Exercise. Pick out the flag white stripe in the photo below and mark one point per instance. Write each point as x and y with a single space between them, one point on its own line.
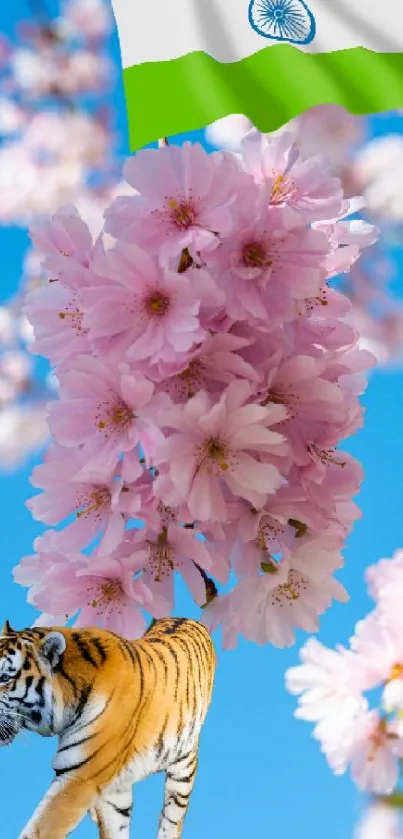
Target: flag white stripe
160 30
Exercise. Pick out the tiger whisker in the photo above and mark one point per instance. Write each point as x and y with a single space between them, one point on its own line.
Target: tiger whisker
14 715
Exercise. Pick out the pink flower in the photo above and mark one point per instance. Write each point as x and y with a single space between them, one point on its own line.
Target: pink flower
268 264
185 200
318 457
300 382
222 612
101 503
385 579
213 448
375 754
109 410
329 682
32 570
252 537
291 594
346 238
215 363
67 243
172 548
57 316
378 644
326 682
288 594
307 186
144 311
101 589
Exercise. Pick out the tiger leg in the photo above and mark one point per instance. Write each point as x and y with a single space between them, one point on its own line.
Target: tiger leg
61 810
112 813
179 782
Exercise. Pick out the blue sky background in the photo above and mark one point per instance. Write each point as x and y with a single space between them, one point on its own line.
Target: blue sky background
261 775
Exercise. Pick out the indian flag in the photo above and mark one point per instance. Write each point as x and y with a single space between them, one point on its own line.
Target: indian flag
187 63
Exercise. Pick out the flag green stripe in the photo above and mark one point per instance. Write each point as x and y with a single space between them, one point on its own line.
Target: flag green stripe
270 87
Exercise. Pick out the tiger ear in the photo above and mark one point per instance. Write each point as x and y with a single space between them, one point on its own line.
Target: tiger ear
7 629
53 648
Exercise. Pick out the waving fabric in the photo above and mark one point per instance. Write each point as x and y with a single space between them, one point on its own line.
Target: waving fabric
189 62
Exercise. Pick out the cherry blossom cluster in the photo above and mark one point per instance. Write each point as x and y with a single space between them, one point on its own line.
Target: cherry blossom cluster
206 379
371 167
354 731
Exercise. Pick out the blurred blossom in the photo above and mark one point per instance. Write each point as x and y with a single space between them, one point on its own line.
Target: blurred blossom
12 117
22 430
380 822
355 695
228 132
57 147
89 18
378 167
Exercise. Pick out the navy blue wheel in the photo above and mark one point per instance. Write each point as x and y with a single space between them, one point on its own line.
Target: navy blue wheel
282 20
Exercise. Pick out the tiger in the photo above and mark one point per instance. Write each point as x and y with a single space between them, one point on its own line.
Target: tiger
122 710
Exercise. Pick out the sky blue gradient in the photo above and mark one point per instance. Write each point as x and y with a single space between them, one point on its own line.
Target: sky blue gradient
261 775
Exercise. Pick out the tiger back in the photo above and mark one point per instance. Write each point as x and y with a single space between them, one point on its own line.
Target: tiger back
122 711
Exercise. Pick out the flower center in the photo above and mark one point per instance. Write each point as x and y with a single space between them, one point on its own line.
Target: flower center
182 213
254 255
378 739
214 455
218 451
396 672
324 456
157 304
269 530
168 515
282 395
161 557
287 593
93 503
112 418
190 380
74 317
105 594
111 590
282 190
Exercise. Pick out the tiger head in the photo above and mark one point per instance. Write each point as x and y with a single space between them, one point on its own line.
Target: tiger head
28 660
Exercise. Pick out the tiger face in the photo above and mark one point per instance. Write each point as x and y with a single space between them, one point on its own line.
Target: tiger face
28 660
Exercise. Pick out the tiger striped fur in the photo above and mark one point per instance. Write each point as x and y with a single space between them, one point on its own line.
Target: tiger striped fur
122 711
